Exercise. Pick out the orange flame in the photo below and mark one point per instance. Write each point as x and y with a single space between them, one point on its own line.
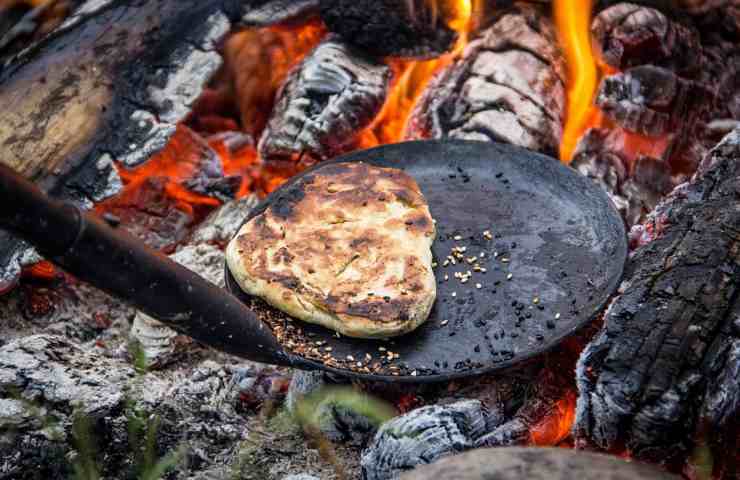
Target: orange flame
555 427
412 77
572 19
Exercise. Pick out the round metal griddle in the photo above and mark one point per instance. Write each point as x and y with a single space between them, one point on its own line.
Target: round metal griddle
565 242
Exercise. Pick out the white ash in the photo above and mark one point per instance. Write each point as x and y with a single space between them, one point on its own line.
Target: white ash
300 476
222 224
280 11
158 341
423 436
302 384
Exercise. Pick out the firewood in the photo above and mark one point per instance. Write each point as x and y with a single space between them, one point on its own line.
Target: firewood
665 365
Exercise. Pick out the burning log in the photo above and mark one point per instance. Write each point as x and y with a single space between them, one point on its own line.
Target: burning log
402 28
508 86
664 368
535 464
110 84
326 101
628 34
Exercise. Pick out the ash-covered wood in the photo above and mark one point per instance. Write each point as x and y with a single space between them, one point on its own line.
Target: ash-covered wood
271 12
325 103
651 100
535 464
400 28
508 86
110 84
423 436
629 34
665 365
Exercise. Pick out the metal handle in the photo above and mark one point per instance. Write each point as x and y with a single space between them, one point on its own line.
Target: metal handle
122 266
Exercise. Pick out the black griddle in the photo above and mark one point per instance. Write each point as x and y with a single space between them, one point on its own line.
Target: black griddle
565 243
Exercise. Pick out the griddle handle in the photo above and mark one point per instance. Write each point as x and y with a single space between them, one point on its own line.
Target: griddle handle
121 265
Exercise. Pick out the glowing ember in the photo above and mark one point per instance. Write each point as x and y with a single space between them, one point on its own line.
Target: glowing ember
43 270
556 427
572 19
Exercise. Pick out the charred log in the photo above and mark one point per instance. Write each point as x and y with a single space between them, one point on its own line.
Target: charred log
401 28
628 34
664 366
535 464
508 86
324 104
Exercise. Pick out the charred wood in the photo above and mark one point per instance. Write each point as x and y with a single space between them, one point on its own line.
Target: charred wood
634 187
400 28
628 34
271 12
535 464
508 86
325 103
423 436
664 366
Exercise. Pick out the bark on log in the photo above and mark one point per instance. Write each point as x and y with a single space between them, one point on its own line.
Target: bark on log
665 366
325 103
535 464
508 86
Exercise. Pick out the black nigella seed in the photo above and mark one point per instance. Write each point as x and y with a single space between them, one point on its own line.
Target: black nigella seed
540 337
477 349
550 324
528 315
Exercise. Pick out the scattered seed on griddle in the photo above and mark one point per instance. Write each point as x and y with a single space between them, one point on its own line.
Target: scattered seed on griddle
350 358
550 324
478 286
381 349
434 264
457 238
454 294
444 322
328 349
557 316
504 260
510 276
536 300
447 277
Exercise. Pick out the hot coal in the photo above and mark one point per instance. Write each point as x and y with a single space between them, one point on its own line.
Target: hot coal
629 34
664 366
271 12
423 436
535 464
508 87
400 28
636 186
324 104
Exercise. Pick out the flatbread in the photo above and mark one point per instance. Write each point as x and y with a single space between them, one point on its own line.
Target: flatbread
347 246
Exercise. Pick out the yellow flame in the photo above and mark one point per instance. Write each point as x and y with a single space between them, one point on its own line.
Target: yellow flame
572 19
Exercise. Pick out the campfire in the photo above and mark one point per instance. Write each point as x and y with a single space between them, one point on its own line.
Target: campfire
187 115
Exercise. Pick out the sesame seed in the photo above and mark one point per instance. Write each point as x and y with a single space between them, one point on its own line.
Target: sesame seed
454 294
478 286
447 277
434 264
509 276
483 270
504 260
482 255
457 237
381 349
443 322
536 300
557 316
350 358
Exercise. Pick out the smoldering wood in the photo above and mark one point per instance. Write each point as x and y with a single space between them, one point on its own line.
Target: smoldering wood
634 188
508 86
422 436
271 12
110 84
325 103
629 34
535 464
399 28
664 367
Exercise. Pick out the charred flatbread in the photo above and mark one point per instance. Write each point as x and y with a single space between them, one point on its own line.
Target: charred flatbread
348 246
